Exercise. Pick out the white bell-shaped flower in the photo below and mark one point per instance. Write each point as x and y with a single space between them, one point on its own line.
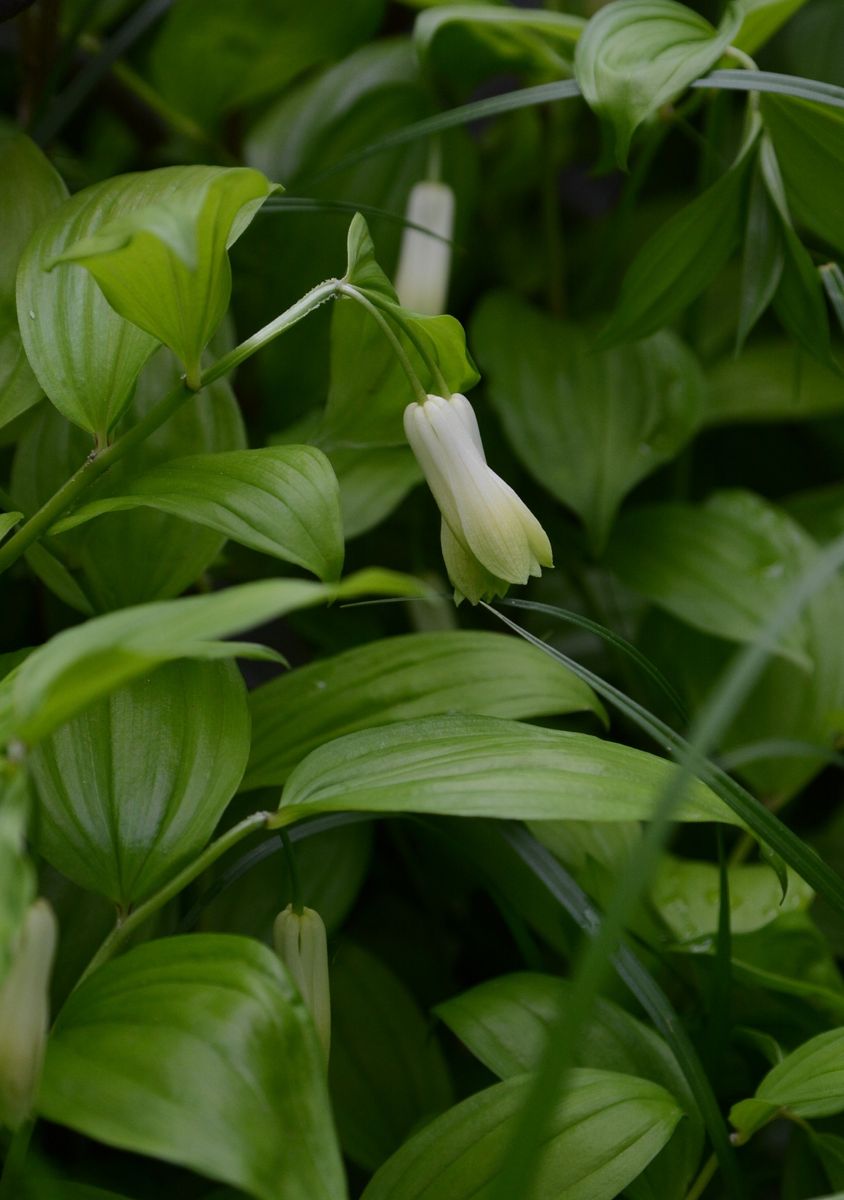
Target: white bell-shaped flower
425 261
301 944
25 1015
490 538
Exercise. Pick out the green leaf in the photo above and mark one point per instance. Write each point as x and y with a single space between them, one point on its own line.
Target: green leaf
200 1052
8 521
163 265
762 262
79 665
722 566
637 55
470 41
587 424
473 766
252 58
809 1082
807 139
387 1073
29 191
506 1022
599 1138
373 482
282 500
760 20
127 557
681 258
397 679
17 876
686 896
133 788
771 381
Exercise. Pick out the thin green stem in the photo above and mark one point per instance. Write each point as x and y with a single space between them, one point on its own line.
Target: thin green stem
348 289
702 1182
293 873
12 1176
100 459
125 928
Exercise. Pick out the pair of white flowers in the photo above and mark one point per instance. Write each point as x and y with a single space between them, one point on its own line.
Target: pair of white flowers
490 538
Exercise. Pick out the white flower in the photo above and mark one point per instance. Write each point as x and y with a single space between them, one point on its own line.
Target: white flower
25 1015
490 538
425 261
300 943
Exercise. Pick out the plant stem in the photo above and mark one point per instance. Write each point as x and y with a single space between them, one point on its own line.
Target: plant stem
99 460
124 929
12 1175
702 1182
347 289
293 873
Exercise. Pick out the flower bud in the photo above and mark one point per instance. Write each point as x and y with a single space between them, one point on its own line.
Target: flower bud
490 538
425 261
25 1015
300 943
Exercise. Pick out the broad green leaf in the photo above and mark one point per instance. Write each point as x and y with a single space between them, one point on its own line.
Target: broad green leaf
760 20
79 665
373 482
588 424
163 264
771 381
465 42
387 1072
127 557
808 1082
506 1022
722 566
681 258
29 191
599 1138
132 789
398 679
686 895
471 766
820 511
17 876
807 139
198 1050
252 58
637 55
282 500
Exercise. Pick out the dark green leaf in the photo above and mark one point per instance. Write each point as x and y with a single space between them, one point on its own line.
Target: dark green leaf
771 381
133 788
600 1137
762 262
198 1051
400 678
468 41
387 1073
485 767
760 20
587 424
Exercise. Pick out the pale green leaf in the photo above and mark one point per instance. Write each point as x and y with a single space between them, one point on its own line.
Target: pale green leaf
17 875
588 424
637 55
471 766
808 1082
79 665
282 500
163 265
760 20
400 678
198 1050
132 789
599 1138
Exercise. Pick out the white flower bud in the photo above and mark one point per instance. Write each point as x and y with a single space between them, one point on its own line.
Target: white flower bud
425 261
301 944
25 1015
490 538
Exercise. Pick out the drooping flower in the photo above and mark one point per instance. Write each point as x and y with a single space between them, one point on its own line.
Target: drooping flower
25 1015
300 942
425 261
489 537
